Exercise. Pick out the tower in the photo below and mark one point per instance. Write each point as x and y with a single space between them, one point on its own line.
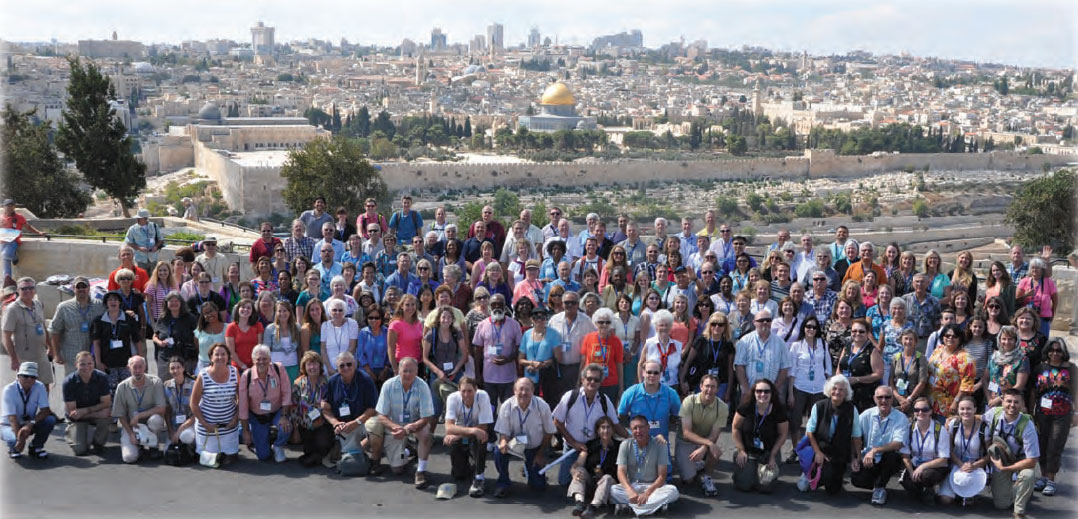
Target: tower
757 101
420 69
262 39
496 37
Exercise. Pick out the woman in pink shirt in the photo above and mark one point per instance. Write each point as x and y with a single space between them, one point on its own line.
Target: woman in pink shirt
405 337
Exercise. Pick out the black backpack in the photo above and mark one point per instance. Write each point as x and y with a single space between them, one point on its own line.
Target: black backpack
575 394
179 454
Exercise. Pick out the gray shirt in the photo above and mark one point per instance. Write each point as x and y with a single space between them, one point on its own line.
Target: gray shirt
72 322
630 456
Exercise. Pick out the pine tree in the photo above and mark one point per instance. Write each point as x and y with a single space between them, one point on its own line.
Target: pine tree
468 126
33 173
96 139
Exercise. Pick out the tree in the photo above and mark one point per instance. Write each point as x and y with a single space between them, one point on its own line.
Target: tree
333 168
736 145
383 124
755 201
468 126
506 205
920 208
92 135
1043 213
33 173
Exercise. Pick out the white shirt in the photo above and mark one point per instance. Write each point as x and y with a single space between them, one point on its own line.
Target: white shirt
651 352
807 360
571 335
922 447
580 420
479 414
336 340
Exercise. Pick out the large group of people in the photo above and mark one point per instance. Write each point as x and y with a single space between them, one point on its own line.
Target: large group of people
622 358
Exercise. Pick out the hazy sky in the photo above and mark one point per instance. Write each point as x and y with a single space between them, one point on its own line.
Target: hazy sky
1023 32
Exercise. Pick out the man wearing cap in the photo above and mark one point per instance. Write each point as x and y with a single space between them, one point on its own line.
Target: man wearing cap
572 326
499 337
70 325
524 426
145 237
684 287
9 219
328 238
642 468
215 263
25 336
576 414
761 354
530 287
884 432
26 412
140 399
87 402
1013 453
127 261
468 420
405 410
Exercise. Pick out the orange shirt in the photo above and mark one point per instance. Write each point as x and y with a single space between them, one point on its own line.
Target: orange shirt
856 272
609 353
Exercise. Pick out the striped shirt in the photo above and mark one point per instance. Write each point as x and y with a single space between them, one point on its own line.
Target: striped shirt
218 404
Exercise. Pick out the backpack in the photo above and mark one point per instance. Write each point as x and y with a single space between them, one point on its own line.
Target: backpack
936 426
354 463
1019 428
982 432
575 394
276 369
179 454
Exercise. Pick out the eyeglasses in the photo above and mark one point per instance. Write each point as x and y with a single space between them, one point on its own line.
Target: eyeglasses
374 318
950 336
858 332
819 279
423 269
602 323
652 372
346 364
763 391
882 397
922 409
335 310
571 303
707 271
555 213
371 205
593 380
123 279
724 231
811 327
1054 350
717 325
26 289
482 298
997 307
764 320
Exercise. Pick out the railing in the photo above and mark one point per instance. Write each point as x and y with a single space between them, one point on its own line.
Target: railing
231 248
227 224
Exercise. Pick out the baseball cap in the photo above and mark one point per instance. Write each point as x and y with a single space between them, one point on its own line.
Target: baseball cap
446 491
80 279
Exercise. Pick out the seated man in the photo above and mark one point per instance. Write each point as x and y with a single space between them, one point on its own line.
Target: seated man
468 419
884 434
26 412
348 404
703 416
88 402
405 412
140 399
642 468
524 425
1013 478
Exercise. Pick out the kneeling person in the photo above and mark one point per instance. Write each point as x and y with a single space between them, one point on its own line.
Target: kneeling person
140 407
25 413
468 419
524 425
1013 477
405 410
348 404
88 403
265 399
703 416
925 454
885 431
642 468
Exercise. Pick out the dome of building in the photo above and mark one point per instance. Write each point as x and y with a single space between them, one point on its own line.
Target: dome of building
558 94
142 67
209 111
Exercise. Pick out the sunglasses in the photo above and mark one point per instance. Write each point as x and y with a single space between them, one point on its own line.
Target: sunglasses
763 391
883 397
482 298
718 325
602 323
652 372
767 320
1054 350
811 327
593 380
922 410
950 336
707 271
374 318
347 364
858 332
571 303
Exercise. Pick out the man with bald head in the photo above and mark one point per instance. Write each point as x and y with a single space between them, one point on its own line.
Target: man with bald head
495 231
760 354
140 399
405 412
524 426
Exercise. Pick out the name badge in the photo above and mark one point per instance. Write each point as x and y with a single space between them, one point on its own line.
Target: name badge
758 443
566 346
654 424
344 410
993 387
713 372
216 279
116 344
40 329
759 366
180 419
84 327
313 414
405 417
846 374
606 372
494 349
1046 402
522 439
812 374
448 366
265 406
902 385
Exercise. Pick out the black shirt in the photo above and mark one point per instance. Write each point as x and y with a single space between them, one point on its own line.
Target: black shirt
194 305
765 428
125 330
85 394
597 464
182 330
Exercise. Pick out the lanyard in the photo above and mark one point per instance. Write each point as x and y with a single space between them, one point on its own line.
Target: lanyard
349 398
406 396
33 315
641 457
177 395
760 422
760 347
84 313
138 398
568 329
906 365
25 399
653 404
264 387
602 349
495 329
589 408
924 439
466 415
812 354
602 456
338 334
128 300
880 426
523 417
965 441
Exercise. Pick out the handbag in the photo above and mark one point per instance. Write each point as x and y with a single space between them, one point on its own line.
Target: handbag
179 454
211 459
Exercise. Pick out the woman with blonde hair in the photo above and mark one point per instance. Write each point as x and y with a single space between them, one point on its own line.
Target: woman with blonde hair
282 336
160 284
939 285
962 277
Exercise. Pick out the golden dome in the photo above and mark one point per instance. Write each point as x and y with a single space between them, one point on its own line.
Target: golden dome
558 94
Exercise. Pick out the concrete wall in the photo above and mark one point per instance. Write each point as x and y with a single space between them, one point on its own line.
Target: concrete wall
815 164
223 171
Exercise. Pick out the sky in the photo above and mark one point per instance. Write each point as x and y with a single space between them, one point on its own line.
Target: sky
1042 33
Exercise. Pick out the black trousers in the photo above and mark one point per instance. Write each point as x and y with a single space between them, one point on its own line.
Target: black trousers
318 441
469 460
931 478
879 473
831 475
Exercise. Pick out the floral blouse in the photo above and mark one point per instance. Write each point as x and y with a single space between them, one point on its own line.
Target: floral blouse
948 375
306 398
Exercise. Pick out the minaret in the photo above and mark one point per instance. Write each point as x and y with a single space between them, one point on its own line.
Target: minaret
757 101
420 72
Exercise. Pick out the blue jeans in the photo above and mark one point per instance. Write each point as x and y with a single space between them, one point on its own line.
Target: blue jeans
564 468
8 254
260 435
41 431
535 480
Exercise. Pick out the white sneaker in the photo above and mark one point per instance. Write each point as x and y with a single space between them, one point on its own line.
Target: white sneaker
803 483
879 496
278 454
709 486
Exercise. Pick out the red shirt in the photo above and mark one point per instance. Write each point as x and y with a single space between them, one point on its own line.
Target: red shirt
409 339
15 221
608 353
141 278
245 342
262 249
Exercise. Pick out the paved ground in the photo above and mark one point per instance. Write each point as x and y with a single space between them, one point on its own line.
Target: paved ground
103 486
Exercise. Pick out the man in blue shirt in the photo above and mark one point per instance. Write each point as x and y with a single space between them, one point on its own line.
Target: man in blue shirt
25 413
146 239
884 433
313 219
406 223
348 404
328 267
327 239
402 278
652 400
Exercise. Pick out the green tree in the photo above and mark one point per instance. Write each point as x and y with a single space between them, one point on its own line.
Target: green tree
920 208
506 205
1042 211
755 201
333 168
92 135
812 209
33 173
736 145
727 206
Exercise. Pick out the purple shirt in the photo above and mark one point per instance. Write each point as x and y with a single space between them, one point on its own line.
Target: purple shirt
498 339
